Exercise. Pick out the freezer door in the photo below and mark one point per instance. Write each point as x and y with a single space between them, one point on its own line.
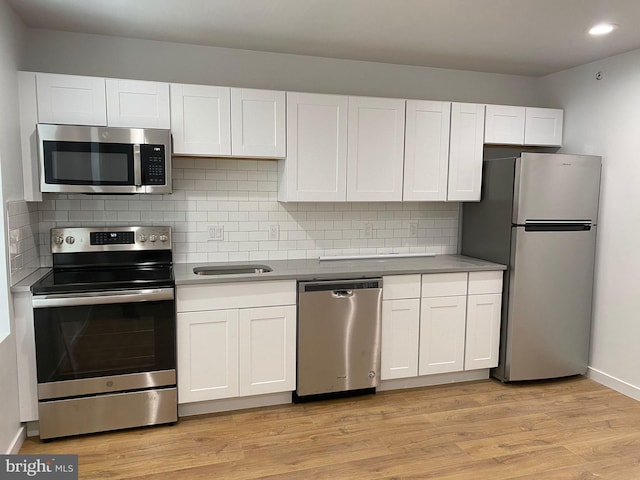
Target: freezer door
556 187
549 304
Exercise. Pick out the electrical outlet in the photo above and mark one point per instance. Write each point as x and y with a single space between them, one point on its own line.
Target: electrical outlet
413 229
368 230
274 232
216 232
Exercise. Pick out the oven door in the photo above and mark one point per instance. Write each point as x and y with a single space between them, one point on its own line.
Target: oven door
101 342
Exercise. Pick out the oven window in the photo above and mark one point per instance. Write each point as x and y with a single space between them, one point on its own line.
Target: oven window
100 340
86 163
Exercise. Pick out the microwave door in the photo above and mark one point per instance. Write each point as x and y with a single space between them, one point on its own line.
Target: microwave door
89 167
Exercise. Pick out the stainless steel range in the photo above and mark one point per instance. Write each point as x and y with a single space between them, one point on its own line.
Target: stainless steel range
105 331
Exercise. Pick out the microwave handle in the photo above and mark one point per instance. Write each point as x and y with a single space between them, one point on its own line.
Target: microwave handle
137 166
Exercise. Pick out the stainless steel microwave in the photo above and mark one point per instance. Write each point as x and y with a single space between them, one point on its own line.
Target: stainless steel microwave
83 159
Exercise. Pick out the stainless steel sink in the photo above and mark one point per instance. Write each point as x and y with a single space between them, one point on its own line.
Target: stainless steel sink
232 270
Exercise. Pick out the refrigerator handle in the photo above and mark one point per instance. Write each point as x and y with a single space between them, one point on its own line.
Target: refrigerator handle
557 225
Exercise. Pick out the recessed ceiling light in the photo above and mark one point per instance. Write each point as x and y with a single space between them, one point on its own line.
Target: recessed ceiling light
603 28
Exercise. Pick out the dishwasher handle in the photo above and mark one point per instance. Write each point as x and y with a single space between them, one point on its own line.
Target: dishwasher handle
340 288
342 293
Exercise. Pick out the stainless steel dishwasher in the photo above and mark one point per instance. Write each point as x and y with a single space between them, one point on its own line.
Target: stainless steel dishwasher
338 337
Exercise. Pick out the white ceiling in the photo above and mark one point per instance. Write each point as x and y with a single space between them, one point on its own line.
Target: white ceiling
525 37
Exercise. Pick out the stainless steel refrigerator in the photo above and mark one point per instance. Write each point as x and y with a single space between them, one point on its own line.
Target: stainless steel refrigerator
538 215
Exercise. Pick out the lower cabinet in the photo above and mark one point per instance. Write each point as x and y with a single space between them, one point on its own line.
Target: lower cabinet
238 351
440 323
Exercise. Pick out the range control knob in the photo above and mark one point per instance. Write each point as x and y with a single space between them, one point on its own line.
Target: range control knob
59 240
142 238
153 237
164 238
70 240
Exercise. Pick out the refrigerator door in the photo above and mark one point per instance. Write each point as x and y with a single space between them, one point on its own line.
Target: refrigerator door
549 304
556 187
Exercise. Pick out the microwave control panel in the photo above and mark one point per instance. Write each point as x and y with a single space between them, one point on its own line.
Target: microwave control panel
153 164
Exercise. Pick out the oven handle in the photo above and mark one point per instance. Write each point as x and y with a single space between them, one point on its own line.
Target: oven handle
102 298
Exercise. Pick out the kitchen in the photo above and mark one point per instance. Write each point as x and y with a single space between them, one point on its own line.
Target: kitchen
598 120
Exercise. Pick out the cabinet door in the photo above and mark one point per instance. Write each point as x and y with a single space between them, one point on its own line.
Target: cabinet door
71 99
257 123
316 166
399 338
543 126
504 124
426 153
375 149
207 344
442 326
465 154
267 350
137 104
201 120
483 331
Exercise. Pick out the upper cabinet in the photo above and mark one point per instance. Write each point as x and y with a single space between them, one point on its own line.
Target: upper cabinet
316 166
77 100
223 121
543 126
258 126
426 151
200 119
511 125
333 148
71 99
465 154
137 104
375 149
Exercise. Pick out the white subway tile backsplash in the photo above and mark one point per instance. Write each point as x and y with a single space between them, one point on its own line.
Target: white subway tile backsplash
241 196
23 223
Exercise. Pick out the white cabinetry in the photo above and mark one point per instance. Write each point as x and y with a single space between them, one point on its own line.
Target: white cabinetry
235 339
71 99
504 124
465 154
137 104
484 305
442 323
258 126
511 125
207 355
267 349
375 149
27 99
426 152
26 356
316 165
200 119
543 126
222 121
400 326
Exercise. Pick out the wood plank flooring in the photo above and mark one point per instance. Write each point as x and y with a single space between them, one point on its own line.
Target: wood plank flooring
569 429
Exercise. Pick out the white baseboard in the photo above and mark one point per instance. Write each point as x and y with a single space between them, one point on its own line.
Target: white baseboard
17 442
614 383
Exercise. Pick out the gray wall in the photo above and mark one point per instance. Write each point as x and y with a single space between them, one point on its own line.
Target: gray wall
82 54
11 42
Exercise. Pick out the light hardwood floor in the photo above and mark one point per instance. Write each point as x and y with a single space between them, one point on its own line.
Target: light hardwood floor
570 429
